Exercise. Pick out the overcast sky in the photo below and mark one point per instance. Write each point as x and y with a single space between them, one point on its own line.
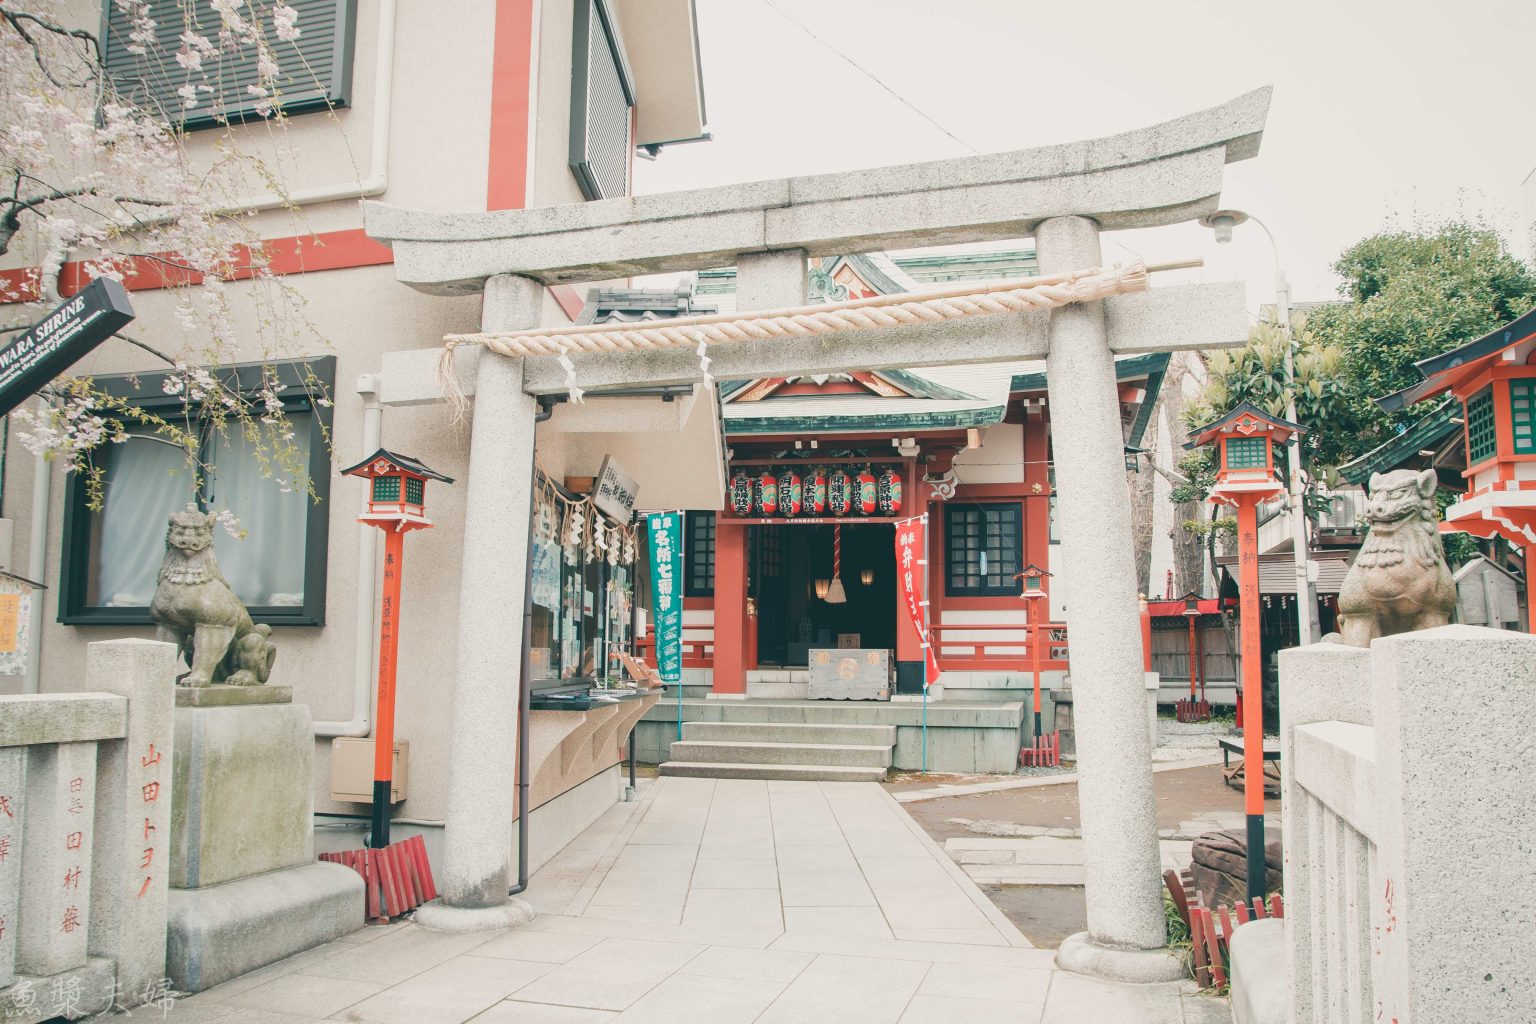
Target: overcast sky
1384 113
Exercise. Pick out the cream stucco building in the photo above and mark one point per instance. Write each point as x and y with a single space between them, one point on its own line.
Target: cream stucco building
438 107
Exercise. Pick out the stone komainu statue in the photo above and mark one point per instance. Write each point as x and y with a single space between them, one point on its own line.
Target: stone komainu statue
1399 582
195 609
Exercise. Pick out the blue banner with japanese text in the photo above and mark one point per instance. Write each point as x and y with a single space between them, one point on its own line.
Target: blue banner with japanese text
665 533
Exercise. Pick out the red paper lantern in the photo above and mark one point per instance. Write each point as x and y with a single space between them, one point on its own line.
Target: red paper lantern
839 493
791 493
741 494
766 490
866 502
890 493
816 492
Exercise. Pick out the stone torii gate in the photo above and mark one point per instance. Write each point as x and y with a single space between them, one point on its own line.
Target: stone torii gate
1062 196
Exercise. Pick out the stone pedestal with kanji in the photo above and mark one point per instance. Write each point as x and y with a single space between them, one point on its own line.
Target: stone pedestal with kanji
246 889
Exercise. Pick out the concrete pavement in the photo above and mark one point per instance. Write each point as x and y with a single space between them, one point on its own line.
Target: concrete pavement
718 901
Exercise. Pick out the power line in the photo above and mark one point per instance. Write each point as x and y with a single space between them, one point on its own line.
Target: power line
867 74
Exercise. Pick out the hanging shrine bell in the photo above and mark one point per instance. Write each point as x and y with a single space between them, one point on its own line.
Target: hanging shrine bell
1245 477
397 492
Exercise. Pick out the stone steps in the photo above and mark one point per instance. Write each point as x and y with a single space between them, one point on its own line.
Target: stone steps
770 741
790 772
943 713
791 732
839 755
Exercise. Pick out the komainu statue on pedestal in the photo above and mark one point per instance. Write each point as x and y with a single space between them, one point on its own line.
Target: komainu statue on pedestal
1399 582
195 609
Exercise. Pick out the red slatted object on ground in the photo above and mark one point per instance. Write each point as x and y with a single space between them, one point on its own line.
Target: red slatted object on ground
396 878
1192 710
1044 752
1211 931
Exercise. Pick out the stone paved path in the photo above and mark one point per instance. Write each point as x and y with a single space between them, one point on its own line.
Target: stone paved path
717 902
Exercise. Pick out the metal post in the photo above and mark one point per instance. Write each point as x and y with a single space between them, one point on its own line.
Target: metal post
1253 691
384 730
1306 613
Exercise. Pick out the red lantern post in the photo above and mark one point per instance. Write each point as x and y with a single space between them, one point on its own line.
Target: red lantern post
1034 589
1245 478
396 505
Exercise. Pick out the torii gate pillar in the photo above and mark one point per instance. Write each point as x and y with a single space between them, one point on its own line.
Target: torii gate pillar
1126 929
492 592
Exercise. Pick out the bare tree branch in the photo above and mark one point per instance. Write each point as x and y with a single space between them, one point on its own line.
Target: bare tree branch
147 348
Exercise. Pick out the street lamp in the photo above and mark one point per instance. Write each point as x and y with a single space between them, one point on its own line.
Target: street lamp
1221 224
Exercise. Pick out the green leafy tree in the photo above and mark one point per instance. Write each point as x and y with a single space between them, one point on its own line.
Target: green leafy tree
1409 295
1256 374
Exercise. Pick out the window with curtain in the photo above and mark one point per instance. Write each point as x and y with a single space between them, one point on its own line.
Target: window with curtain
112 555
982 545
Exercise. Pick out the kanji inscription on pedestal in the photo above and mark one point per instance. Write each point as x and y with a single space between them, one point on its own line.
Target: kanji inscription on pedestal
55 905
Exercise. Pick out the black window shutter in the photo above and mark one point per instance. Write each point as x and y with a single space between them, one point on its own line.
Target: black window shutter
316 68
602 94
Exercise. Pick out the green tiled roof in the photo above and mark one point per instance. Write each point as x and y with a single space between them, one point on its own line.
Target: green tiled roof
1152 366
954 419
1426 433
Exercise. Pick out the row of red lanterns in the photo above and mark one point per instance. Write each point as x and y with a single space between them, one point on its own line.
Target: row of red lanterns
838 493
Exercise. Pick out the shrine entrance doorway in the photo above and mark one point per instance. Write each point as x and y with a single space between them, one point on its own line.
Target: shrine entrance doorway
791 576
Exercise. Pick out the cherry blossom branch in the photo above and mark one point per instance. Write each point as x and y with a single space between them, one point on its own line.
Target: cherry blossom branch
10 220
15 18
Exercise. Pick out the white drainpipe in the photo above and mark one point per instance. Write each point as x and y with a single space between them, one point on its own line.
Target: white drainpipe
361 722
378 170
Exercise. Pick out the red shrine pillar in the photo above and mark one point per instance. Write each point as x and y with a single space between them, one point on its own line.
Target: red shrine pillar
732 639
1530 593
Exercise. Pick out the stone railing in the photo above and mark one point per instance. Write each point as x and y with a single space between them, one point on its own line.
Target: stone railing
85 824
1409 810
